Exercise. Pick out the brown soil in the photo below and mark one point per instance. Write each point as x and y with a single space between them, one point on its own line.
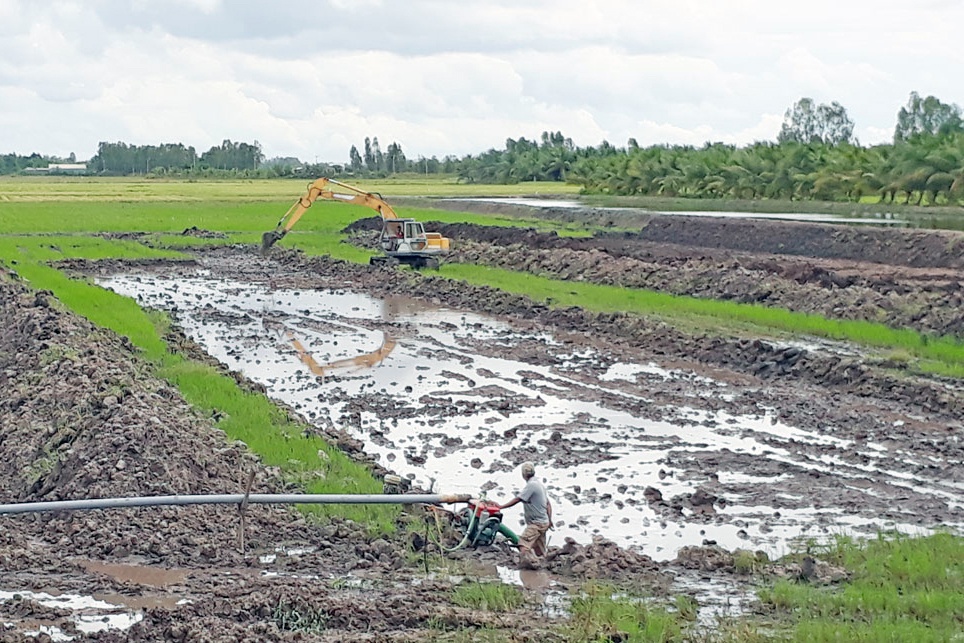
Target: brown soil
83 417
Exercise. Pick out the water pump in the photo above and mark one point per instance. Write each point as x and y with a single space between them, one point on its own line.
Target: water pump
480 522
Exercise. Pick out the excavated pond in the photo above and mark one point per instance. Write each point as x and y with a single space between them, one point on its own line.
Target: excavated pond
652 456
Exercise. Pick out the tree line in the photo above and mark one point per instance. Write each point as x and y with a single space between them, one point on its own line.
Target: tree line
815 156
123 159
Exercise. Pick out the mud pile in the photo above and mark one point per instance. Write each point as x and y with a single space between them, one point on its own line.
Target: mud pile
295 610
790 283
83 418
898 277
600 559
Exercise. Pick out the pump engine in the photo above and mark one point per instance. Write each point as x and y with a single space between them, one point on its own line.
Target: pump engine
480 522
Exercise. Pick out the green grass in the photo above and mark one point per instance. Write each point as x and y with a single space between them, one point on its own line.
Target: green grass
488 596
28 256
133 189
599 614
172 217
138 216
266 430
901 589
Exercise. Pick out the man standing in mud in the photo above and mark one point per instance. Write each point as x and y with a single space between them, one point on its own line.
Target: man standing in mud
537 511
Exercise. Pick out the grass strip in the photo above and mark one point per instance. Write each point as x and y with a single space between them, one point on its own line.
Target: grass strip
173 216
488 596
14 189
942 355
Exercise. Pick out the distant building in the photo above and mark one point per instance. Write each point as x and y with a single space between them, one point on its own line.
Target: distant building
59 168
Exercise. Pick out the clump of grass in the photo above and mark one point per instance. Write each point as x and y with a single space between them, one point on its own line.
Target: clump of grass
295 618
747 562
489 596
686 607
598 614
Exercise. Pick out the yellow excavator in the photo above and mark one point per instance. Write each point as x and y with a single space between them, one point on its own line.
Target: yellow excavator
402 240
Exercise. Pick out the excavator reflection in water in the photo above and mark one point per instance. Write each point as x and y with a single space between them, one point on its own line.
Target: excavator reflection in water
351 364
347 365
392 307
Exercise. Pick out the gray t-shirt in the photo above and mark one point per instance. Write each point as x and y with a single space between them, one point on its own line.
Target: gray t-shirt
534 497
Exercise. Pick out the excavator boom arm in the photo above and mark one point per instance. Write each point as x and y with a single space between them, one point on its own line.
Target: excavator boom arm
331 190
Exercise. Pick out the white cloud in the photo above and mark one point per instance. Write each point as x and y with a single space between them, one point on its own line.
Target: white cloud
311 79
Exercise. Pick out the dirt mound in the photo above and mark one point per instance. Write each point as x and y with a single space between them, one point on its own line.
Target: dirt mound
602 558
898 277
884 245
83 419
288 610
891 246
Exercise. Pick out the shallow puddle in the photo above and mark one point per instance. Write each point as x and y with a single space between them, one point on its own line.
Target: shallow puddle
90 614
139 574
459 397
105 610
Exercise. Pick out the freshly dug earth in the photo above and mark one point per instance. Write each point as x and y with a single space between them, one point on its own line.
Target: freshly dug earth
83 416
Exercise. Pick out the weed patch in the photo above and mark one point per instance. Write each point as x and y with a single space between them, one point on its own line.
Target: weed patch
491 597
599 614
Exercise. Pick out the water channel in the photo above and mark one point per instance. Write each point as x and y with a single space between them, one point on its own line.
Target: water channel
455 405
883 217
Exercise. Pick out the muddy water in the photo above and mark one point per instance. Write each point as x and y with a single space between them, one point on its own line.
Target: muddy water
139 574
459 402
89 613
102 611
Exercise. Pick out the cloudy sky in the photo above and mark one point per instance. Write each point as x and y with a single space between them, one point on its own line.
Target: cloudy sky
310 78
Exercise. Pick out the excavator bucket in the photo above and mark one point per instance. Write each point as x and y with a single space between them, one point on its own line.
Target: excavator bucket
270 238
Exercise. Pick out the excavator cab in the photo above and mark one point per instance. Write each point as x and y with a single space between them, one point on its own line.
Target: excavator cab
405 241
402 235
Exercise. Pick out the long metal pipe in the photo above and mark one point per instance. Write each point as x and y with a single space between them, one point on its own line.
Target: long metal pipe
233 499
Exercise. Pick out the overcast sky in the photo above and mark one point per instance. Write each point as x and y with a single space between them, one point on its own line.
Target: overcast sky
310 79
